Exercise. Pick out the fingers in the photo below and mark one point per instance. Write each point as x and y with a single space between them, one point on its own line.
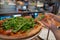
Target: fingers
51 15
53 21
46 24
53 25
50 23
41 23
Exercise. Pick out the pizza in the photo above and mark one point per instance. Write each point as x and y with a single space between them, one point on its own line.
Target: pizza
19 28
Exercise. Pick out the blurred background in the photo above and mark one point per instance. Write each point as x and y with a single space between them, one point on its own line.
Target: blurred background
30 6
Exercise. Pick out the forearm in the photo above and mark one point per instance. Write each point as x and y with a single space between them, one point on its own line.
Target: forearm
56 33
57 18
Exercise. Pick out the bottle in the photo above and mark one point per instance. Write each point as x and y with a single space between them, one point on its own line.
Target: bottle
26 3
34 15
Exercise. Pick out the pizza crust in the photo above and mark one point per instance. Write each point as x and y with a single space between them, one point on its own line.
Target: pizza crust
33 32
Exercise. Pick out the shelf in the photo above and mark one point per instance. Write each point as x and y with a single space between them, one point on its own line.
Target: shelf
1 14
11 10
8 11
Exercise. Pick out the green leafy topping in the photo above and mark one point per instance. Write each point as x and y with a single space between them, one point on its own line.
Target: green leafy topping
19 23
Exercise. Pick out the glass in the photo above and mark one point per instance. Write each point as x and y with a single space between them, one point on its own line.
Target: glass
39 4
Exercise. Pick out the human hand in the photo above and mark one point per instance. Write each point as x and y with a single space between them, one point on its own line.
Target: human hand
55 17
50 25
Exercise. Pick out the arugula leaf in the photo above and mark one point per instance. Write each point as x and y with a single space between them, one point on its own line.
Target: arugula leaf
19 23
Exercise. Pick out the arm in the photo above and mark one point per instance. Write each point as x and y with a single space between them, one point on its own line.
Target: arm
57 18
53 28
56 33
